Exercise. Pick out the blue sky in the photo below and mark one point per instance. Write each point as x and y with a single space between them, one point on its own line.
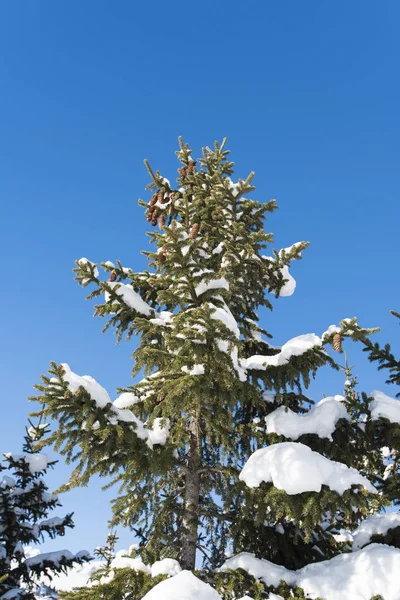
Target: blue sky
308 95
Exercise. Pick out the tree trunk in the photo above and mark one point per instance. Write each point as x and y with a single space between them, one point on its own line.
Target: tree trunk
191 499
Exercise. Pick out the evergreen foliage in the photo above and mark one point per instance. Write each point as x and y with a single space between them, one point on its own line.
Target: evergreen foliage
176 440
24 507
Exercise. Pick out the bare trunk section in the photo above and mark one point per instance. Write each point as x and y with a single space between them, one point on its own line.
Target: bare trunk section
190 519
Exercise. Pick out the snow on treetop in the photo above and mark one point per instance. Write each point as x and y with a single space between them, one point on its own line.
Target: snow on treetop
295 468
294 347
166 566
321 419
376 524
384 406
184 586
350 576
125 400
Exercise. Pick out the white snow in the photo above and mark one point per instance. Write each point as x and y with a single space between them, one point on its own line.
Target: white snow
77 576
259 568
376 524
214 284
96 391
83 261
122 561
130 297
166 566
354 576
225 316
125 400
195 370
349 576
294 347
331 329
384 406
184 586
321 419
295 468
37 462
157 434
289 287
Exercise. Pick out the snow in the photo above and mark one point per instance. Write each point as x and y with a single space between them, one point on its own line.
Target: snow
37 462
376 524
125 400
331 329
122 561
260 568
350 576
289 287
53 557
295 468
84 261
184 586
384 406
321 419
78 576
225 316
157 434
294 347
196 370
96 391
130 297
166 566
214 284
355 576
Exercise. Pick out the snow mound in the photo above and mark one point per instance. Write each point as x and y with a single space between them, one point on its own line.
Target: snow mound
353 576
289 287
376 524
260 568
123 561
384 406
294 347
356 576
321 419
166 566
295 468
184 586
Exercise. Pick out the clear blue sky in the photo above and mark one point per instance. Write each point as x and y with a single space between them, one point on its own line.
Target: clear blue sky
308 94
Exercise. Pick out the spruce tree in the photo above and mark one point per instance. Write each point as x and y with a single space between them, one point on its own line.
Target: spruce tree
25 504
177 439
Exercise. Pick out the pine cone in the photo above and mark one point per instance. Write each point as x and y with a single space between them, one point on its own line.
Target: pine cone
113 276
162 257
153 200
148 216
161 221
191 167
154 218
160 196
194 231
182 173
337 342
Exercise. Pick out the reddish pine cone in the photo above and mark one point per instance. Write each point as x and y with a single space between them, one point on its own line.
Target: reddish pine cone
191 167
153 200
194 231
182 172
161 221
162 257
337 342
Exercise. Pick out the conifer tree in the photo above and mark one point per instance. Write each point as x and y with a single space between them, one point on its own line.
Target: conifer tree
214 389
25 503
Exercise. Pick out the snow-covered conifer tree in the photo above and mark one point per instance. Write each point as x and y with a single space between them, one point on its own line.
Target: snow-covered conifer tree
216 448
25 504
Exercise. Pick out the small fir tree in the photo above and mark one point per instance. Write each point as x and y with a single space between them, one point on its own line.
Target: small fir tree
214 391
25 504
